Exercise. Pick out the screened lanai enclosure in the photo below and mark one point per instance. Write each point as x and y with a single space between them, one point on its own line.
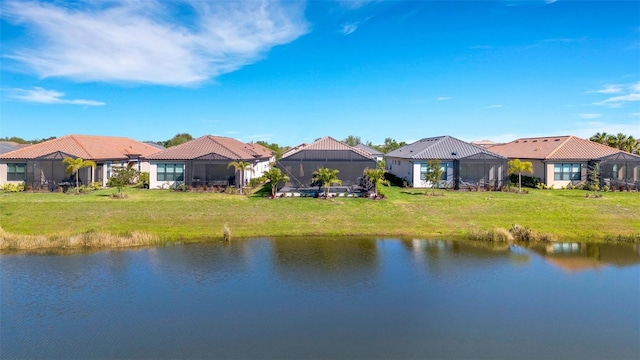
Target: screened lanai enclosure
620 171
47 173
300 167
210 170
480 171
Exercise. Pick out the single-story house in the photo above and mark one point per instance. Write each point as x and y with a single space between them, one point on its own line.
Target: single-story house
40 166
205 162
561 160
463 164
300 162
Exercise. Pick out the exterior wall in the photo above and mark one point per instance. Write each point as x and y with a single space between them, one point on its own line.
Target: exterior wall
539 170
154 183
259 169
402 168
549 180
419 183
144 166
410 171
3 176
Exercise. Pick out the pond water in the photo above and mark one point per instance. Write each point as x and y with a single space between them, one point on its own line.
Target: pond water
324 298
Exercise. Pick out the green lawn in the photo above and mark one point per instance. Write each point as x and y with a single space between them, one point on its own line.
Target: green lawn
186 216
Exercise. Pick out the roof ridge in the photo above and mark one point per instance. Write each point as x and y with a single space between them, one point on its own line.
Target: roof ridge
73 136
212 138
437 139
559 147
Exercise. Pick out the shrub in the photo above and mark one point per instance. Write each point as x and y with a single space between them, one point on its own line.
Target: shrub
13 188
528 181
494 235
522 233
143 180
395 180
255 182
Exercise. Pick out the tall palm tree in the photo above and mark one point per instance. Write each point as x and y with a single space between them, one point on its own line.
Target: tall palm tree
618 140
74 165
275 176
517 166
326 177
630 145
600 138
240 167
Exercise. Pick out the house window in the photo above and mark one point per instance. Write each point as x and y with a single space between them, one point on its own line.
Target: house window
170 172
425 167
566 172
16 172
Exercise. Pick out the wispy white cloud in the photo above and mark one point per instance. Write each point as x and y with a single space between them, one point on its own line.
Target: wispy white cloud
589 116
637 114
145 42
44 96
608 89
349 28
550 1
631 93
443 98
493 106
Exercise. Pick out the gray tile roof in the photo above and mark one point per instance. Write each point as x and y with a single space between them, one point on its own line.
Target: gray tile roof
324 145
368 149
441 148
6 146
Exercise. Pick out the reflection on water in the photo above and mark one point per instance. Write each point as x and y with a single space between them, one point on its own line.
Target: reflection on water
572 257
324 298
330 264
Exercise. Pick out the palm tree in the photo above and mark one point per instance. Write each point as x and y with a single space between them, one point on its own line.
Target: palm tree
240 167
74 165
376 176
630 145
326 177
617 141
600 138
517 166
275 176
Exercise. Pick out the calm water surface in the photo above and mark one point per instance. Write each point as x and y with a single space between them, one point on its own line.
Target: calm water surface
324 298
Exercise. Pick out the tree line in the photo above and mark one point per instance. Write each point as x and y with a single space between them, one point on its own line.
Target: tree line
619 141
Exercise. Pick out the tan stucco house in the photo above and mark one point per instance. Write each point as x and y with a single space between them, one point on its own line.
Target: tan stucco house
40 166
205 162
561 160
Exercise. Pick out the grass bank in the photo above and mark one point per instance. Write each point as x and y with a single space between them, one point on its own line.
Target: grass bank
158 216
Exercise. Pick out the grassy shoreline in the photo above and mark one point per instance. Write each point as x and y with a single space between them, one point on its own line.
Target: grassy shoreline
155 217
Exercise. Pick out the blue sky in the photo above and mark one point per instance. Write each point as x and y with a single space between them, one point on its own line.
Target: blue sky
290 72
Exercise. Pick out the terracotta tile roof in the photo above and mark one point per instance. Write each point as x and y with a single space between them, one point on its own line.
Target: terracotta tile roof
554 148
225 147
327 143
85 146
